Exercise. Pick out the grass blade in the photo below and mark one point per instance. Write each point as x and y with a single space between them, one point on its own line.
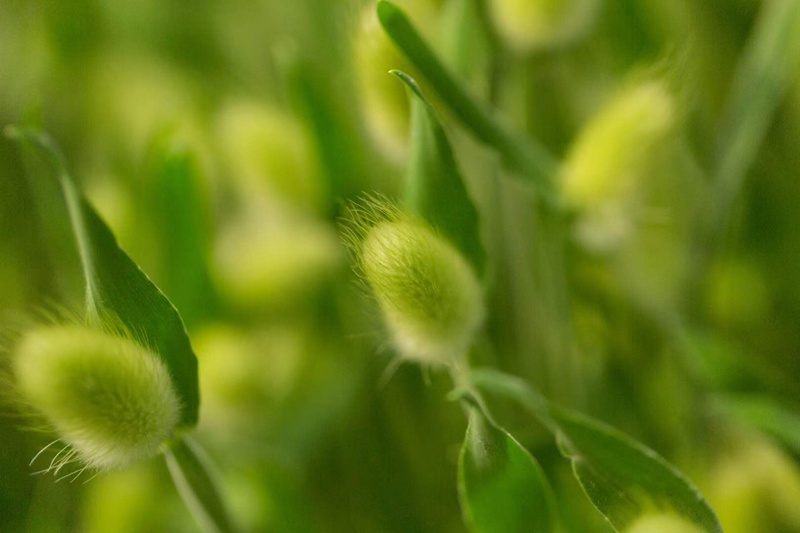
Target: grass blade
520 153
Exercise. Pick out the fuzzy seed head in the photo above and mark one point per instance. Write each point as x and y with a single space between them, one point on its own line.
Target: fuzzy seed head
429 295
615 146
529 25
107 396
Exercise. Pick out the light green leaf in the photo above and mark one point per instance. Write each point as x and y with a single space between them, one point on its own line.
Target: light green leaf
624 479
434 186
115 286
502 487
190 472
520 153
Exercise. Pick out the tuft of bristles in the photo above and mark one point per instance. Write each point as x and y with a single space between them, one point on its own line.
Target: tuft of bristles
108 397
430 298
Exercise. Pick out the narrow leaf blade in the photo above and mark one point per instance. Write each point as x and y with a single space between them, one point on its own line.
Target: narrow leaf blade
183 208
435 187
525 156
502 487
116 286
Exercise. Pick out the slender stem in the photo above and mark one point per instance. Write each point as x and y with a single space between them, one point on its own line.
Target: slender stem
192 476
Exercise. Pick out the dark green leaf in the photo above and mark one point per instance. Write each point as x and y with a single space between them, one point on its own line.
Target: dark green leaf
623 479
502 487
434 186
765 73
115 286
190 472
521 154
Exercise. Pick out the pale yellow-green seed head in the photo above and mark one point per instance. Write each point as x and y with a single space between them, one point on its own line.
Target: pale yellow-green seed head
529 25
614 148
107 396
430 297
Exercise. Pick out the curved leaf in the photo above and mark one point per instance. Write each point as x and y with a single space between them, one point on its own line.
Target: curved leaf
623 478
520 153
115 286
502 487
434 186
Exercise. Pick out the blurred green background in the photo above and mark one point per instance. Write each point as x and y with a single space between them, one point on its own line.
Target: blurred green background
220 140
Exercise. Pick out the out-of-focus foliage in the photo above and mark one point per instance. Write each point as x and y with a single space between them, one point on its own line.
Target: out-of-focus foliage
221 141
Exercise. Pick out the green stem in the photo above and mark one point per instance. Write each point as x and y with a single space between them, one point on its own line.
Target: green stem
191 474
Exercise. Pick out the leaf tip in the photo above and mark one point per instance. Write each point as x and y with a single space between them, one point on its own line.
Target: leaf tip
386 10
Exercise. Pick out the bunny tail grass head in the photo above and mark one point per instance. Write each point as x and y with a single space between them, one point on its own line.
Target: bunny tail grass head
107 397
431 300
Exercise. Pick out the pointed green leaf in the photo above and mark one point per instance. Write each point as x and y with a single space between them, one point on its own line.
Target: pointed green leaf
523 155
115 286
434 186
624 479
502 487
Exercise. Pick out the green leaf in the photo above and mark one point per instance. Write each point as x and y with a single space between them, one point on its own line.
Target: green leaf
520 153
502 487
434 186
624 479
333 130
190 472
767 415
115 286
764 75
182 207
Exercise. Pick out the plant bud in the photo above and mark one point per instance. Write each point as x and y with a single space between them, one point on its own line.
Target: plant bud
268 152
429 295
615 147
534 24
107 397
262 264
